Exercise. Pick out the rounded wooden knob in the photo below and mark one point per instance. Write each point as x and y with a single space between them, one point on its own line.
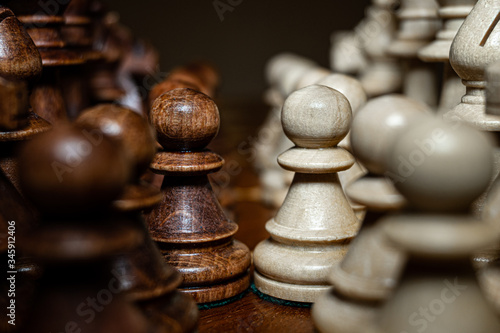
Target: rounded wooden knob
438 166
316 117
127 127
72 171
376 125
185 119
19 57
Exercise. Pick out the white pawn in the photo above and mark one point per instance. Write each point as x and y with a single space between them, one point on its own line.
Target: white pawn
311 231
438 290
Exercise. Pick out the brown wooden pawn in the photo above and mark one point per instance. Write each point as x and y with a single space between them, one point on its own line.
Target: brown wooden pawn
78 234
142 273
189 225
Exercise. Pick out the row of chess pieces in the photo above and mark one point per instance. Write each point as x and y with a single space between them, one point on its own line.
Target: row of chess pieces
386 184
90 241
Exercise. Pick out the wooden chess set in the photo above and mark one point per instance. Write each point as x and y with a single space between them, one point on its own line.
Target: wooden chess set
369 203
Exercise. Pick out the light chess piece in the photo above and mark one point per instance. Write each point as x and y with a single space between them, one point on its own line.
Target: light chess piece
438 290
311 231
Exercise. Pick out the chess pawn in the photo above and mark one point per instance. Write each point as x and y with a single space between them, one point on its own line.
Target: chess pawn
142 273
418 23
453 14
353 90
367 274
473 48
438 289
383 74
312 229
189 225
77 235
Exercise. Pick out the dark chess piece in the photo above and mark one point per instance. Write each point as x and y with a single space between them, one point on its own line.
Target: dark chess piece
189 225
143 273
44 26
19 62
78 234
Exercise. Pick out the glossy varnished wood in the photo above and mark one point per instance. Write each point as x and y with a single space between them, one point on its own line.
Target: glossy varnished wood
189 224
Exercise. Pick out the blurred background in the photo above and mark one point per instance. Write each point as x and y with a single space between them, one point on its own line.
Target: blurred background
238 39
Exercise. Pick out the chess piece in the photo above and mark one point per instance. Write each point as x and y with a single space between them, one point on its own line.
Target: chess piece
44 27
17 124
356 95
383 74
20 59
189 225
418 24
77 234
453 14
142 273
473 49
367 275
438 290
312 229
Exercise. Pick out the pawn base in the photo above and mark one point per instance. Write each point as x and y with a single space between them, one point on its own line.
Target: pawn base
218 292
289 291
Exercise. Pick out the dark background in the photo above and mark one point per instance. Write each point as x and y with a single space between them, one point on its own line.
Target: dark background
240 44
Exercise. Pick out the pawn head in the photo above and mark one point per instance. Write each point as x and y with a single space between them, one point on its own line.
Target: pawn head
439 166
316 117
185 119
